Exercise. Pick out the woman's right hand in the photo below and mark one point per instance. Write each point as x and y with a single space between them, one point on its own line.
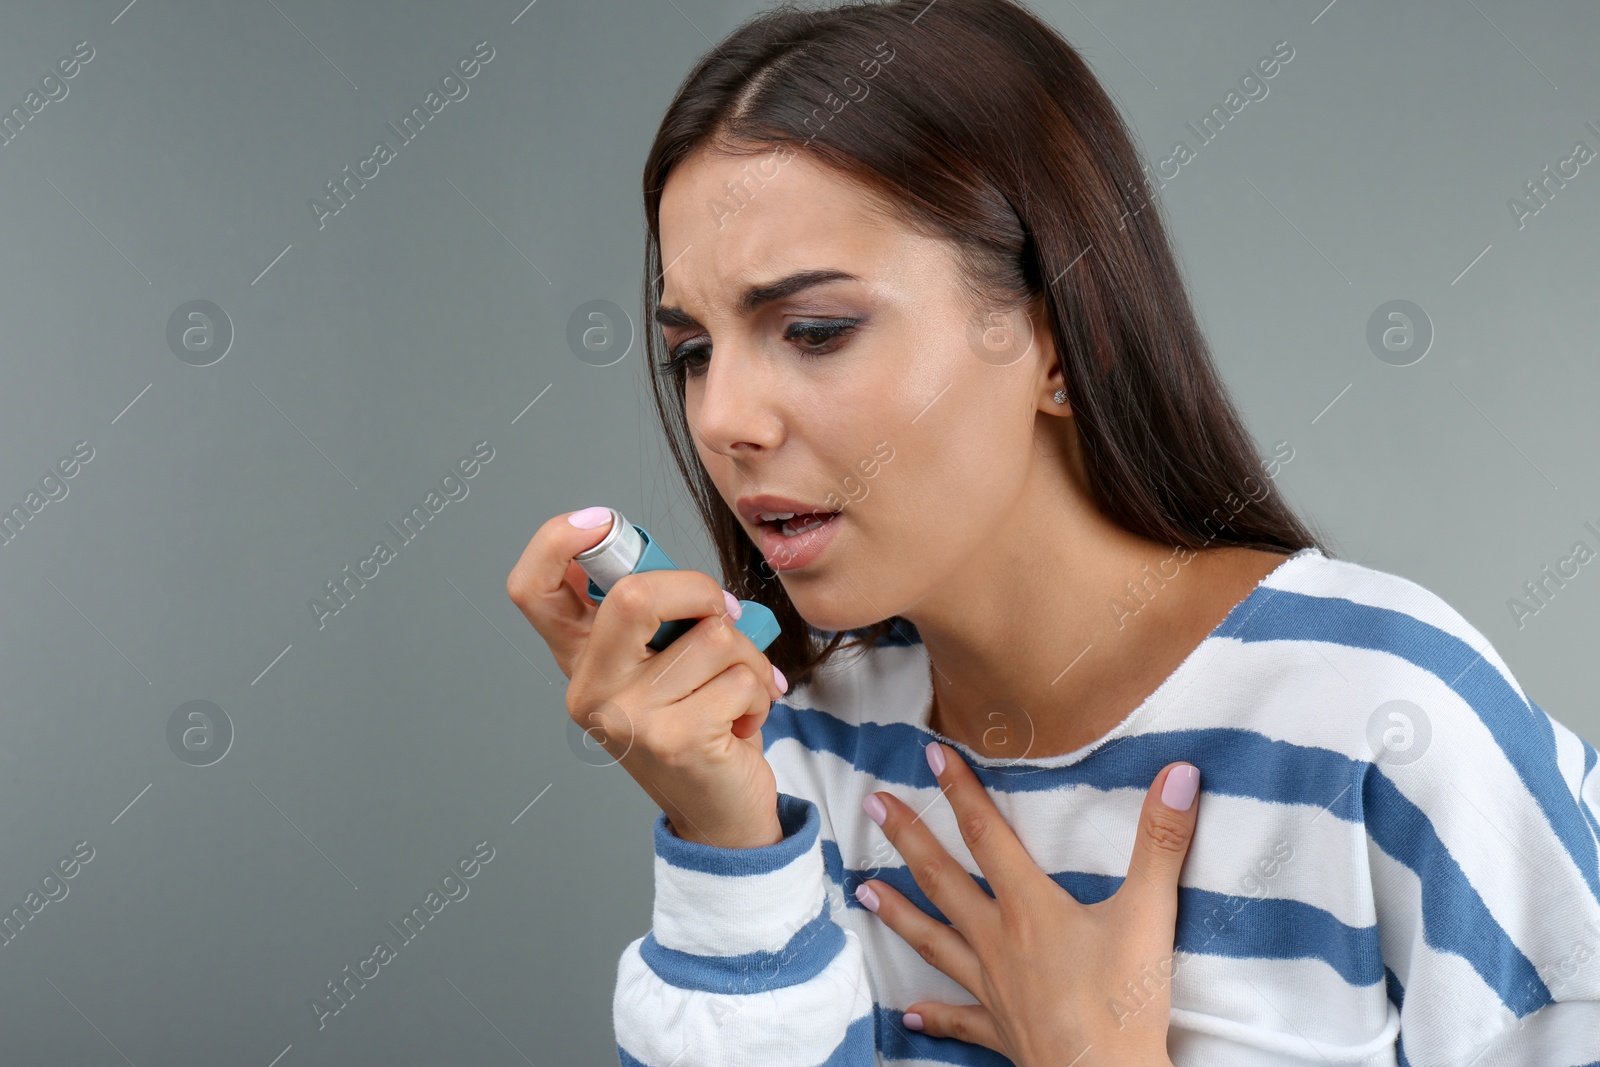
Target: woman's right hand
685 722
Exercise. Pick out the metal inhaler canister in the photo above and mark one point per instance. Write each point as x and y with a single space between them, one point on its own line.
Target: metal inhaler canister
627 549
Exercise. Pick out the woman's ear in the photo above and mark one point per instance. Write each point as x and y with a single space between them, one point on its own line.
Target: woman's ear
1052 381
1056 400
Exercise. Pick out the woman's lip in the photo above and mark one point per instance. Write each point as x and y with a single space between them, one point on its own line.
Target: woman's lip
791 553
753 507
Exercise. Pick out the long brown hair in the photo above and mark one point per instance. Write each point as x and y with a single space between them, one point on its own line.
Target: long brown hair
979 124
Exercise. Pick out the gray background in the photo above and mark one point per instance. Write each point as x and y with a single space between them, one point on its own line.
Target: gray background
370 755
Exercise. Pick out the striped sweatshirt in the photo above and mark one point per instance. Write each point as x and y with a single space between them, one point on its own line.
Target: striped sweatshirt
1395 861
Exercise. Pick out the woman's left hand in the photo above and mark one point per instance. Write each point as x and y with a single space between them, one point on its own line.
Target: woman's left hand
1046 970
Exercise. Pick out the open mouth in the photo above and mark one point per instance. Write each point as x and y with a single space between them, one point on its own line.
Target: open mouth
792 540
793 525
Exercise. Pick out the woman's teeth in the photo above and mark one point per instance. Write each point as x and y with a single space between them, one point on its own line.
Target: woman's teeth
791 530
786 523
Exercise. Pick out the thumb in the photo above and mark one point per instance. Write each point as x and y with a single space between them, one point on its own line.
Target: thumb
1166 827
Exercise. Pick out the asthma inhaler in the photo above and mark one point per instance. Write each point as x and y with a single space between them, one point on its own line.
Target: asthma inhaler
627 549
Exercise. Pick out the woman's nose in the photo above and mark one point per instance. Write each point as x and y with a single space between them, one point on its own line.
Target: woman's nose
739 409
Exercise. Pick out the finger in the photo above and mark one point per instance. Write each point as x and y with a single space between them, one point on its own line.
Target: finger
734 699
995 847
748 725
546 564
634 610
543 586
971 1023
578 581
943 880
1166 827
937 943
705 650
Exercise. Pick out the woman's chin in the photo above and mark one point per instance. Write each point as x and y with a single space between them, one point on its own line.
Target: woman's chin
825 611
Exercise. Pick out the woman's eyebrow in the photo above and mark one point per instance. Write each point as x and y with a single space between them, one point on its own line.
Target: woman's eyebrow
758 295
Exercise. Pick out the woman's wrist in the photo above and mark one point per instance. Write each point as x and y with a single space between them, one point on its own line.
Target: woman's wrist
763 836
761 829
1106 1055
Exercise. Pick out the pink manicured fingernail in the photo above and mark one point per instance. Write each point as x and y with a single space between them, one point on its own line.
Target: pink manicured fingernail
874 808
935 758
912 1020
868 898
777 676
1178 791
734 607
589 518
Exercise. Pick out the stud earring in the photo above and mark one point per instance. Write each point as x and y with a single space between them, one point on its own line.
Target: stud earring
1060 396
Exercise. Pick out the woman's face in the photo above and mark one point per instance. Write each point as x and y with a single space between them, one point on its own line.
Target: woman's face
881 394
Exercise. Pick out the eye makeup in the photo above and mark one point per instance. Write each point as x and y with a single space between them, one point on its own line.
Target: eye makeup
811 338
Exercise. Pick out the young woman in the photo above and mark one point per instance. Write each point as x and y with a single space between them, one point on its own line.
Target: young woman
941 400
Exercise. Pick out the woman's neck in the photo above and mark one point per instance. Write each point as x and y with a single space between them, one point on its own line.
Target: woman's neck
1049 640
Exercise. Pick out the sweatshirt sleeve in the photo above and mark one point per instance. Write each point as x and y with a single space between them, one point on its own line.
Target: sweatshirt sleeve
1559 1020
744 965
1484 854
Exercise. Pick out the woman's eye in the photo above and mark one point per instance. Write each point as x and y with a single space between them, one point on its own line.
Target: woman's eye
687 355
813 337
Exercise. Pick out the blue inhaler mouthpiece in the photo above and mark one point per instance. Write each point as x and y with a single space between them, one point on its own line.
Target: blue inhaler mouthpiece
627 549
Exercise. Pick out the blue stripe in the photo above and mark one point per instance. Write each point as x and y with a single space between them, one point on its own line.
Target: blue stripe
1232 761
807 954
797 817
1239 763
856 1048
1454 917
1588 766
1208 923
1523 733
895 1042
901 634
1396 991
1397 996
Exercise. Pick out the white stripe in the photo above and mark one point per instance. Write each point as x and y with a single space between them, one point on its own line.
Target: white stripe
1381 589
1450 1012
1482 817
1560 1034
1397 893
1247 1002
1342 1023
1495 830
1590 792
754 913
1222 996
1569 755
891 685
796 1026
1242 846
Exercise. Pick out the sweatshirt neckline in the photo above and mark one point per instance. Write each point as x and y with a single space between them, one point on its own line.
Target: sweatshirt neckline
1163 697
